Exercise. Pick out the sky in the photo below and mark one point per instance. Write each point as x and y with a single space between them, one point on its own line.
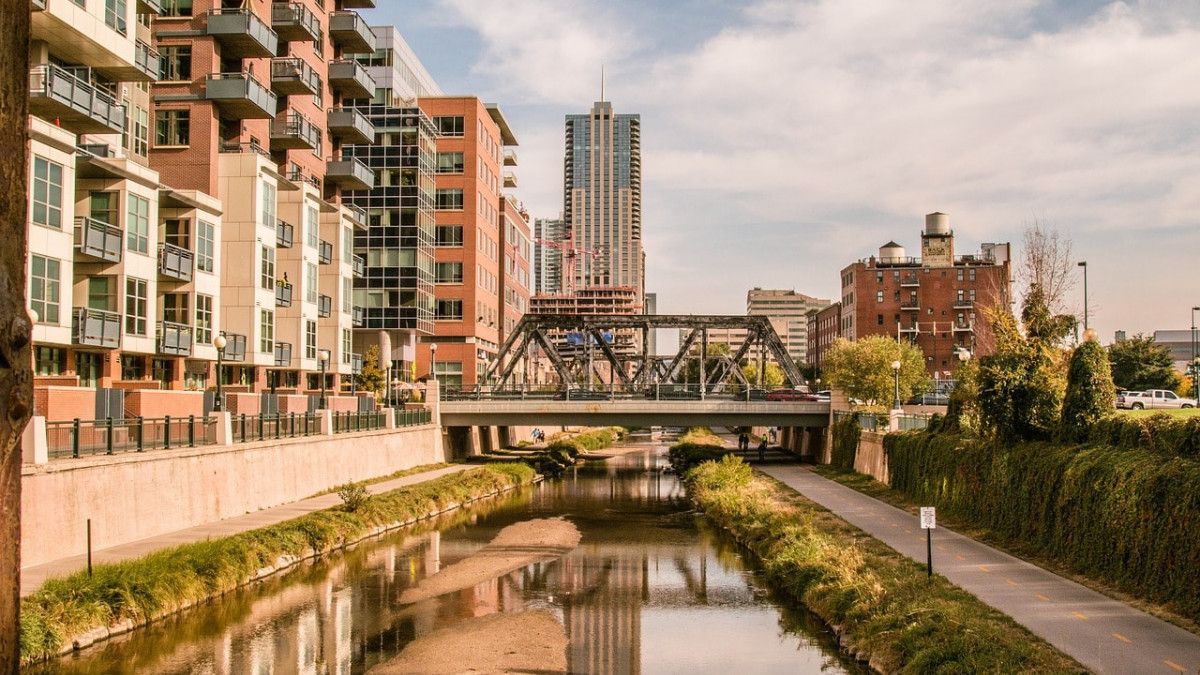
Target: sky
783 140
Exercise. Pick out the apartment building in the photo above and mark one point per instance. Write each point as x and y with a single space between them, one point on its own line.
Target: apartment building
790 307
824 327
937 300
469 176
548 255
515 272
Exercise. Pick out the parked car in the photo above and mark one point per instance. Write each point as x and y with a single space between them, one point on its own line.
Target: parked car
1121 401
790 395
825 396
1155 398
583 395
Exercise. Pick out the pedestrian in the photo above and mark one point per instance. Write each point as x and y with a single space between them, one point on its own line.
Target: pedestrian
534 434
762 449
743 441
772 434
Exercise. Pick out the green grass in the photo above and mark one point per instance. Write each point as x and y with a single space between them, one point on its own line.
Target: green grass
392 476
696 446
163 582
885 608
1173 412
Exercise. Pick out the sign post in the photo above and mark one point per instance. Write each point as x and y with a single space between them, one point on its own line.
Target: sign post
928 523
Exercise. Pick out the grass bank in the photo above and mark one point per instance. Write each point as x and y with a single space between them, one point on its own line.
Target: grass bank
696 446
881 604
123 595
1173 412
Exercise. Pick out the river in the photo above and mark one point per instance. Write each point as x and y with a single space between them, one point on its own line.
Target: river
650 589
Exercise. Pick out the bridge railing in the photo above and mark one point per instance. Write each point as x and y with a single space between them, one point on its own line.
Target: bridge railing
614 392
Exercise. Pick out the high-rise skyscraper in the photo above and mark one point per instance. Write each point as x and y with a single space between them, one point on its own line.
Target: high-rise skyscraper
602 197
548 260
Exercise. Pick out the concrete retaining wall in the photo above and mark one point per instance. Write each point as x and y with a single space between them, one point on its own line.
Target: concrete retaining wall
133 496
870 458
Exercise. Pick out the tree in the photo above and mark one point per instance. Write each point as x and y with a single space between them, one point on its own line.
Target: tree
863 369
1139 363
772 375
1046 262
1090 392
371 376
962 411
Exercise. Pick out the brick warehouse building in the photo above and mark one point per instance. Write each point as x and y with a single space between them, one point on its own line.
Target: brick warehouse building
936 301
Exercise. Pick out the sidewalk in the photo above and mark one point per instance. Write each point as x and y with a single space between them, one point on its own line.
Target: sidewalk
1103 634
33 577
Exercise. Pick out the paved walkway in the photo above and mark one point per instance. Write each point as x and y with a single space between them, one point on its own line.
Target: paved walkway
1103 634
33 577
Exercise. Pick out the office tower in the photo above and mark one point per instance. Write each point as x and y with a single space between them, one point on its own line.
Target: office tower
791 308
548 234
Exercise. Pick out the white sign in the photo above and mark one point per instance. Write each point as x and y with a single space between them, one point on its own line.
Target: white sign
928 518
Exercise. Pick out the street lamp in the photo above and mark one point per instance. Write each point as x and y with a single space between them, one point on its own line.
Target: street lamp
323 358
219 342
433 364
1083 264
896 373
1195 356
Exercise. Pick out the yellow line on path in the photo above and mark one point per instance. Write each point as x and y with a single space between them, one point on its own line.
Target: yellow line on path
1079 615
1011 582
1122 638
958 557
983 568
1042 598
1174 666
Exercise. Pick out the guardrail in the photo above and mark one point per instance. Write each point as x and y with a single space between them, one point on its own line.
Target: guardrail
84 438
658 392
358 421
263 426
880 422
405 417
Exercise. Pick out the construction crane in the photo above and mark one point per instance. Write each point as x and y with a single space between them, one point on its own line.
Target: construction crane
570 252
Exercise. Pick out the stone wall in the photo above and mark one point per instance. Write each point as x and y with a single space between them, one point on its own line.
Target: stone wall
870 458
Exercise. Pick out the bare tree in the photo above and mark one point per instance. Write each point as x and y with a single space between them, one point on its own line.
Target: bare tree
16 391
1047 261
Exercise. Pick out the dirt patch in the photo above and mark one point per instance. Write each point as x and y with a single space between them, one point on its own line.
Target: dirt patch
525 642
514 547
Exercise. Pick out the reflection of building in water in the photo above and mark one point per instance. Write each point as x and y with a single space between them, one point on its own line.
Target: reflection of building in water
602 609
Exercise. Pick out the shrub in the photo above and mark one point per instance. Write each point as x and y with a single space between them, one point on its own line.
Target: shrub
1090 393
846 432
694 447
354 497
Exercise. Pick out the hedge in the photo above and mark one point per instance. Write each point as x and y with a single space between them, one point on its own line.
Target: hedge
846 433
696 446
1124 515
1161 434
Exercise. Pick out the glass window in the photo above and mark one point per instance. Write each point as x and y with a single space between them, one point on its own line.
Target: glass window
449 125
206 239
137 224
102 294
347 245
171 128
175 308
449 372
449 235
49 361
449 310
177 232
448 273
310 282
347 345
204 318
268 204
266 277
449 199
103 206
47 192
141 132
176 63
266 331
176 7
313 228
44 288
449 162
347 295
310 339
114 15
135 306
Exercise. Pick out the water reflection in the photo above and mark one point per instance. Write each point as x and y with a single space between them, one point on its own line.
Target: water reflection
649 589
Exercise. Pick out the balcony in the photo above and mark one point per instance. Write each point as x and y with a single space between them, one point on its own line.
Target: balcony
350 173
147 60
292 22
96 328
356 363
283 294
964 303
284 234
910 306
292 75
283 353
240 97
149 7
963 327
510 157
37 5
358 317
174 339
349 31
325 252
910 281
324 306
235 347
99 240
351 79
175 262
909 330
359 265
241 34
297 175
358 4
350 126
67 96
293 131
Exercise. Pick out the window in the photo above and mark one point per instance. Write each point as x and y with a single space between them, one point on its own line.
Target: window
310 339
266 331
878 296
449 235
114 15
448 372
103 206
141 132
448 310
449 199
135 306
449 162
176 7
449 125
268 204
177 232
206 238
176 63
347 245
312 230
47 192
448 273
175 307
347 295
347 345
44 288
310 282
266 278
137 224
49 361
102 293
204 319
960 274
171 128
879 319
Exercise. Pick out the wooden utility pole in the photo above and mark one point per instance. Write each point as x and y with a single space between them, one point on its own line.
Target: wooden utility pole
16 376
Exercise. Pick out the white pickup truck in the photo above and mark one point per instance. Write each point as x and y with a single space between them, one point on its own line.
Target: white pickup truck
1155 398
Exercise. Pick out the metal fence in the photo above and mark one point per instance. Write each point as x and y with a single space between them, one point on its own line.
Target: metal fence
913 422
412 417
344 422
247 428
83 438
880 422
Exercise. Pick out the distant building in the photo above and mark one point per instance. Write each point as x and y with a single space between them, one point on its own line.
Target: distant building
1179 342
824 327
789 306
547 260
651 309
935 301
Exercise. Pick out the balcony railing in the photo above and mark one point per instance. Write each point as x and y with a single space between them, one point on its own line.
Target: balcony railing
284 234
297 175
174 339
510 179
67 96
350 173
350 125
359 265
242 34
98 239
358 316
963 326
910 281
351 79
964 303
292 75
349 31
356 363
358 4
96 328
235 347
283 294
510 157
283 353
324 306
149 7
175 262
910 306
292 22
147 60
240 97
293 131
325 252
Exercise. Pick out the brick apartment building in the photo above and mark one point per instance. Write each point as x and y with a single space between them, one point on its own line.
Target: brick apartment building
936 301
824 327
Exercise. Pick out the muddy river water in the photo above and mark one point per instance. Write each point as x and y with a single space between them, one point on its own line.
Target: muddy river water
650 588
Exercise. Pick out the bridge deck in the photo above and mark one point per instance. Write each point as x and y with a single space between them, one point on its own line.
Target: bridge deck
634 413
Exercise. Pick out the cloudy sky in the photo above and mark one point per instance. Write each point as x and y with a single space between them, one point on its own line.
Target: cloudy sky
784 139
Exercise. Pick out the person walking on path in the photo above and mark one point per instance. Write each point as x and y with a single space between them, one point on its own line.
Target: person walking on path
743 441
762 449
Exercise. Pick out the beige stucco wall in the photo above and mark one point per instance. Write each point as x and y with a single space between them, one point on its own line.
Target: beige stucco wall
870 458
133 496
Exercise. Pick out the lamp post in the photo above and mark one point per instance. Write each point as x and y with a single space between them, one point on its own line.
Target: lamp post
1195 356
1083 264
896 396
433 365
323 358
219 342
